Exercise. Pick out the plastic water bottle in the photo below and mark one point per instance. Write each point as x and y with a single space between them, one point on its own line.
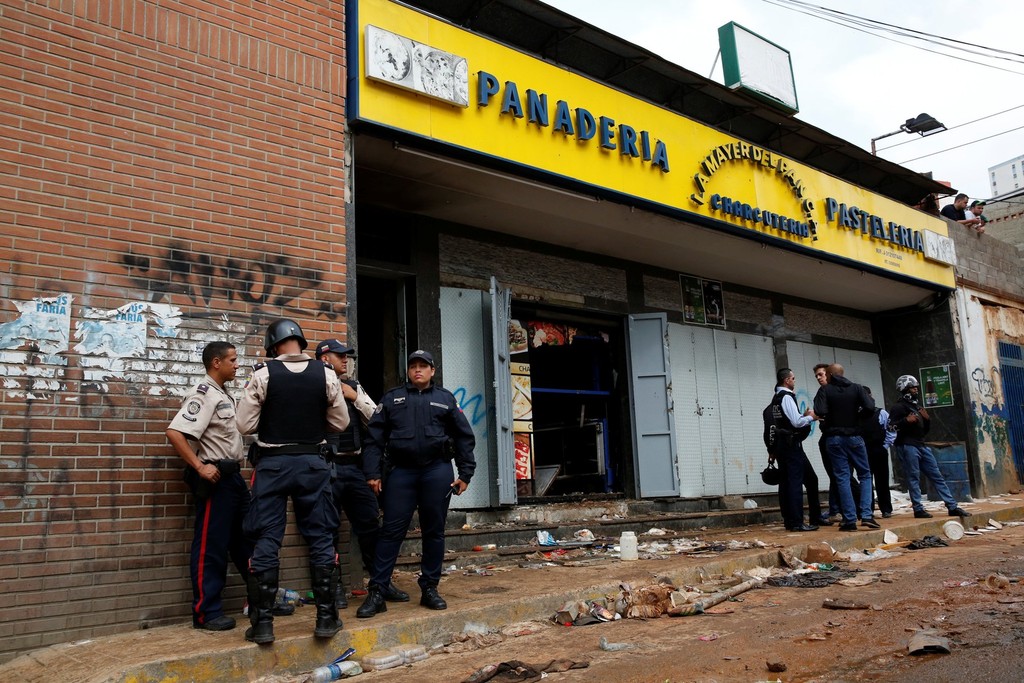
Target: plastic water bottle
627 546
286 596
333 672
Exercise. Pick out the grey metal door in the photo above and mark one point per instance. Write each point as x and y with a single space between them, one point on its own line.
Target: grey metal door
501 310
654 438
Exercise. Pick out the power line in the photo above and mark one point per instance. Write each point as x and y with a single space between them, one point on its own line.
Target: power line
948 149
908 32
838 22
959 125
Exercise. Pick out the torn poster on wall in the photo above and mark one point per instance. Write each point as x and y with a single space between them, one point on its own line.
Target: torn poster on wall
43 322
121 332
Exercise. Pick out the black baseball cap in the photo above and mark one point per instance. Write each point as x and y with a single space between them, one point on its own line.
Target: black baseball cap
334 346
421 355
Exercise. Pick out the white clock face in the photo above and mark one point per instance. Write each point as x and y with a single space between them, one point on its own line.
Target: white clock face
390 57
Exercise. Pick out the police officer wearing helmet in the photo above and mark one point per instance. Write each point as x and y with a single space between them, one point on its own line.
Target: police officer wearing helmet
291 403
413 425
911 422
352 494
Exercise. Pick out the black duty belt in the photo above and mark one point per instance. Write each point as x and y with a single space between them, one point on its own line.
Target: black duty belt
347 458
225 467
292 449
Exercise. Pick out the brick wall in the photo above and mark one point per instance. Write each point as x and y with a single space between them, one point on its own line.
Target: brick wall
170 173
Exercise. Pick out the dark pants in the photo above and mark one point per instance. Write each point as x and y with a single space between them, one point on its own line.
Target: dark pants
218 537
353 496
306 479
796 474
878 459
426 490
834 507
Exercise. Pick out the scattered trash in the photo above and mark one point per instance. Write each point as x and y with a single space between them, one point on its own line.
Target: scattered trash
522 628
863 579
953 530
645 602
928 642
995 524
927 542
776 667
839 603
655 531
381 659
627 546
516 670
889 537
819 579
475 627
709 637
487 546
613 647
585 535
997 582
337 669
545 538
819 552
699 607
750 504
869 555
411 653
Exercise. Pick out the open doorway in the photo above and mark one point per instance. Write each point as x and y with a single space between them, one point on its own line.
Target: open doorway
567 416
382 315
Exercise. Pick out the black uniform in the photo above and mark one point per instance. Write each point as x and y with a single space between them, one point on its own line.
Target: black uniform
413 427
351 492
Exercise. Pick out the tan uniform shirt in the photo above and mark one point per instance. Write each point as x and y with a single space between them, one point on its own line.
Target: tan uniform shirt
208 415
255 393
363 403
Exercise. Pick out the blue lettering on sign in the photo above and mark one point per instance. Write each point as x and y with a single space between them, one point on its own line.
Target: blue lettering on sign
537 106
584 125
855 218
510 103
486 88
473 407
563 118
753 214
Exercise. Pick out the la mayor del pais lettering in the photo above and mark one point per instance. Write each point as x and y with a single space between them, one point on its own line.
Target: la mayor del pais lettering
584 125
842 215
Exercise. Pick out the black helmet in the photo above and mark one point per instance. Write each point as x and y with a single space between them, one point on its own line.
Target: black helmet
282 329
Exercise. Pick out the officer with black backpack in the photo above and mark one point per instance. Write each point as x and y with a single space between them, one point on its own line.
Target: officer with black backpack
784 431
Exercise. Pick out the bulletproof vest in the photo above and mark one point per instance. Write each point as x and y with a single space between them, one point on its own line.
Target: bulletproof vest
295 410
783 426
349 441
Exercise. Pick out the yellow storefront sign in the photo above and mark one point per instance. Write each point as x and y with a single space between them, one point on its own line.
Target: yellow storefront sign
455 87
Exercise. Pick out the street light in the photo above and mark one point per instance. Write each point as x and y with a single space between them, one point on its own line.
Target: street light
923 124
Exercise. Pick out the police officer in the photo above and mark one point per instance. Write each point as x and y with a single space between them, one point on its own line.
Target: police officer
413 424
205 436
291 403
352 494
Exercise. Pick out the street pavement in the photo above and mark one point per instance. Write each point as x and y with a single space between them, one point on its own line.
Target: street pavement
479 599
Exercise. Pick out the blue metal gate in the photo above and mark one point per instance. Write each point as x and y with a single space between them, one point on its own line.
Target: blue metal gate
1011 362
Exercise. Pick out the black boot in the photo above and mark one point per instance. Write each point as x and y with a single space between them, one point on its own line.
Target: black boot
325 582
431 599
392 594
340 598
262 592
373 605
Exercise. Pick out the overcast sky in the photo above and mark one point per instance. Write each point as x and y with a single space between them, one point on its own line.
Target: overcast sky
858 86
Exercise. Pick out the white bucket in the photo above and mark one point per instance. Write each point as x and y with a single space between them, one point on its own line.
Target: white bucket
954 530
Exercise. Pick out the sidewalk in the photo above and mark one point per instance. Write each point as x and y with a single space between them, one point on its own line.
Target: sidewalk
179 653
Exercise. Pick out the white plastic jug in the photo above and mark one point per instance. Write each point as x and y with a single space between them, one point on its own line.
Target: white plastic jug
627 546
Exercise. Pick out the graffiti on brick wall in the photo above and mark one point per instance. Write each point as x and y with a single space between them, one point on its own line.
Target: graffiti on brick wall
255 280
985 382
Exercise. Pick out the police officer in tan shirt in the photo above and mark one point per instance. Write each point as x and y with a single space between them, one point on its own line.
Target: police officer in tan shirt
205 436
291 403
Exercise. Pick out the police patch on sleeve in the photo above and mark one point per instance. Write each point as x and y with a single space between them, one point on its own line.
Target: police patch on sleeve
380 407
193 407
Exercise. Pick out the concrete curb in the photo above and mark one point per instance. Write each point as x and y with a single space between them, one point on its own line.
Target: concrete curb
187 655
